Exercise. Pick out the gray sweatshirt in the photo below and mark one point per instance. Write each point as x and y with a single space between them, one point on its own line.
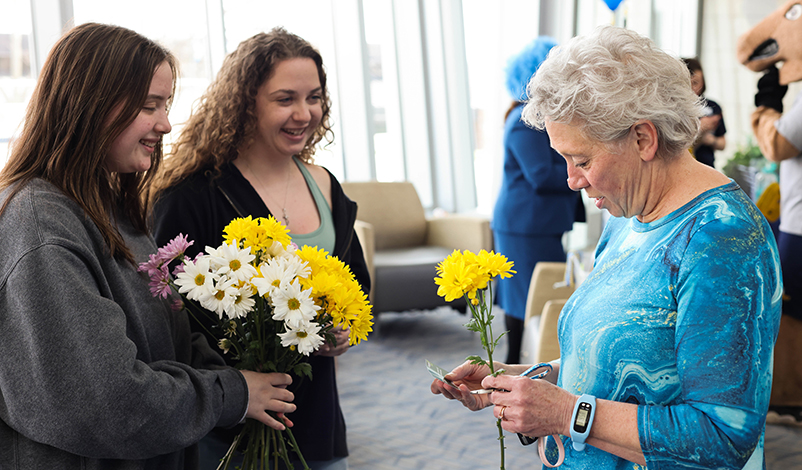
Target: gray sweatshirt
96 373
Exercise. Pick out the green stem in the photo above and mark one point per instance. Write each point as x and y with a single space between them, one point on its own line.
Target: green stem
296 448
191 307
226 461
490 348
501 441
484 319
275 438
263 445
491 345
282 447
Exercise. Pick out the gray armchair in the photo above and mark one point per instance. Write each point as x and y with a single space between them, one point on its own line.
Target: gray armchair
403 247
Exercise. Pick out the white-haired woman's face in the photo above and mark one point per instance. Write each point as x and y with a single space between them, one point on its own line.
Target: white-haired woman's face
614 180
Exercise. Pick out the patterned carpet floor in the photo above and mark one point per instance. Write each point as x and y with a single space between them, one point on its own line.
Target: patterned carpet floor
394 422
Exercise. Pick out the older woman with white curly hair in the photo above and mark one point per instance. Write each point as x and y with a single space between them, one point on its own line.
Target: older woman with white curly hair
667 346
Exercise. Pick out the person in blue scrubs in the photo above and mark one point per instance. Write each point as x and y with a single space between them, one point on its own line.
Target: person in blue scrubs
670 338
535 206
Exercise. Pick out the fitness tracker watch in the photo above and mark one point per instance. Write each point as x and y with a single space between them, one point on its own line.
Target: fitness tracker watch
582 420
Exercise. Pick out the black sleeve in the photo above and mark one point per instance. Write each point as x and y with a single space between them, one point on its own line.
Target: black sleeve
188 209
347 247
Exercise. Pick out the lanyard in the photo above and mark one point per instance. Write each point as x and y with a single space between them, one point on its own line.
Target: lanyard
541 442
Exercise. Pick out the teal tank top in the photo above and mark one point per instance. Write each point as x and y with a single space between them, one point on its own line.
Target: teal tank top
322 237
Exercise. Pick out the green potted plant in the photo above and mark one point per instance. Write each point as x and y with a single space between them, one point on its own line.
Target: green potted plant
749 168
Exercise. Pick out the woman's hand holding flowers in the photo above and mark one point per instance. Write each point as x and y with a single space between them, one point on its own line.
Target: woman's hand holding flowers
268 392
341 335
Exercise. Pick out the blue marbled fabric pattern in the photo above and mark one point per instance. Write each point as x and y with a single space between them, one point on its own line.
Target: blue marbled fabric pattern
680 316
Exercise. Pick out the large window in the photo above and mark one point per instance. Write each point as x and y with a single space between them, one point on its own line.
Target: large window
495 31
182 26
244 18
416 85
383 87
16 70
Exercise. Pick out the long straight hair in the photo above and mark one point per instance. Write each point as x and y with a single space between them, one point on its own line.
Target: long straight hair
92 86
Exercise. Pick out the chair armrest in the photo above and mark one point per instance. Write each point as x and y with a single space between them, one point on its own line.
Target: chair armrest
367 238
541 287
548 345
460 232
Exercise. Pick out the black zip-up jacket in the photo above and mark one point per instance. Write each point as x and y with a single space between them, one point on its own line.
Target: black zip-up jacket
201 206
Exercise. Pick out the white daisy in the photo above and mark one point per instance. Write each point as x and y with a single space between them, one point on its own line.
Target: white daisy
276 250
197 280
274 275
221 298
305 337
292 305
243 302
233 262
297 265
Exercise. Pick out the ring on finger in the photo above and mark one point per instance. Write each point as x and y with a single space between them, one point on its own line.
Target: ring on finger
501 414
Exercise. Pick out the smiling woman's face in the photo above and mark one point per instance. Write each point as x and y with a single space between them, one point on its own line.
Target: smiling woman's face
131 151
289 107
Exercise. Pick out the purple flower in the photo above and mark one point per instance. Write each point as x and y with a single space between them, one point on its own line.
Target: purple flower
175 248
159 283
151 266
179 267
177 305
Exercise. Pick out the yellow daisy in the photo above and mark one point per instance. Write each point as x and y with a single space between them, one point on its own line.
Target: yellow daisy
495 264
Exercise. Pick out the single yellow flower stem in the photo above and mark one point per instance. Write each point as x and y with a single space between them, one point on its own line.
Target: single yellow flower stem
501 442
488 342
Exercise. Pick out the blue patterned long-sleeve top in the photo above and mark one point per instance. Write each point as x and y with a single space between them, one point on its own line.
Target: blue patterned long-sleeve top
680 316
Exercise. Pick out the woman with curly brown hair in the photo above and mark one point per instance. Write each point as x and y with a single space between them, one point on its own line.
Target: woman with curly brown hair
247 151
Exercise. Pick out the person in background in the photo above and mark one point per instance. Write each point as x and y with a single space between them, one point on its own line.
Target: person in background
666 347
535 206
712 128
97 373
247 151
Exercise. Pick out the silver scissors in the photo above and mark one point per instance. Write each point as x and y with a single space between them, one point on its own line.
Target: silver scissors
526 373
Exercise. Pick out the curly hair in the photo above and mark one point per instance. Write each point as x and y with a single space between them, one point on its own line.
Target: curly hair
610 79
225 119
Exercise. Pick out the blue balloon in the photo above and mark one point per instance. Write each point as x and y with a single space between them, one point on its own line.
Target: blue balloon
613 4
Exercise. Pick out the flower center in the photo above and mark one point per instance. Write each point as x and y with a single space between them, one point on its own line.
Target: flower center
219 295
301 334
293 304
276 283
235 264
200 279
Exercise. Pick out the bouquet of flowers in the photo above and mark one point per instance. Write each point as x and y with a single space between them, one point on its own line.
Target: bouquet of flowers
274 304
468 275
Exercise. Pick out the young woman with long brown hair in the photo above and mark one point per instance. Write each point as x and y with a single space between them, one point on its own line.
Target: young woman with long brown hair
97 373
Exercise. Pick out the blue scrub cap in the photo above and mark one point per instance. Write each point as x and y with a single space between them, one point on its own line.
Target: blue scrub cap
522 66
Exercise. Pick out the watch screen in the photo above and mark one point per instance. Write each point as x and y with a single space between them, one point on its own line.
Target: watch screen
582 415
